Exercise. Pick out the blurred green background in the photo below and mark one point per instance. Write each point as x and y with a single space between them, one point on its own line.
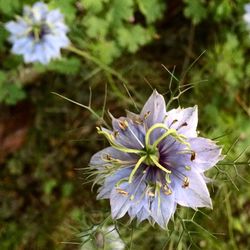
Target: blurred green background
46 142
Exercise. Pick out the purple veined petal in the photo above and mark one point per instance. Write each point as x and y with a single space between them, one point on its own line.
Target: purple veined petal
120 197
163 208
17 28
128 133
140 203
143 214
105 190
39 11
32 55
154 110
207 153
54 16
183 120
195 194
22 45
55 42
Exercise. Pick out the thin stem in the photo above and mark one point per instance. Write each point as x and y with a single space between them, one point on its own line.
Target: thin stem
86 55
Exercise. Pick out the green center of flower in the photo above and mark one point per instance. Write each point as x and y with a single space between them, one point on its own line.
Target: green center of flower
149 155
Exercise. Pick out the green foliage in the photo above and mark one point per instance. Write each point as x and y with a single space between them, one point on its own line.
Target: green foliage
10 93
41 184
195 10
112 26
230 60
9 7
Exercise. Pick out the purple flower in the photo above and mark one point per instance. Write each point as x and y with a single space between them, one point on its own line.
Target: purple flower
39 34
155 161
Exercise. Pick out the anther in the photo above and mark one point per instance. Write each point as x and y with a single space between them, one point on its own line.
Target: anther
151 194
183 125
185 182
147 115
167 190
138 121
192 156
188 168
116 134
108 157
123 125
173 122
121 191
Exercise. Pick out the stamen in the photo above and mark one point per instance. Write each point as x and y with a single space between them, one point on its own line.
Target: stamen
116 134
121 191
185 182
147 115
173 122
150 193
193 155
123 125
167 190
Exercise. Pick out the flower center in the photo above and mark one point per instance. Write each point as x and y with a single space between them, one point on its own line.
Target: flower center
38 31
150 153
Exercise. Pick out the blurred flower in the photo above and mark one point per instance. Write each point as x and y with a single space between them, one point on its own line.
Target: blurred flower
39 34
246 16
155 162
102 238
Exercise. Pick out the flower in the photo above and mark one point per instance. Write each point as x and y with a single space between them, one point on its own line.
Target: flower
246 16
39 34
155 161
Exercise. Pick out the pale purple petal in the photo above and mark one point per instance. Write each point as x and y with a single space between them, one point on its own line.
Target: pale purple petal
195 195
162 208
154 110
183 120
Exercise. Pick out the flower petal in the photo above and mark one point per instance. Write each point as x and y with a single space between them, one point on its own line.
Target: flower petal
162 208
110 182
195 194
183 120
128 133
121 198
207 153
154 110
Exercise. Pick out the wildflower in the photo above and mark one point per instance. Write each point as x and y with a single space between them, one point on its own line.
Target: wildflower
39 34
246 16
155 161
